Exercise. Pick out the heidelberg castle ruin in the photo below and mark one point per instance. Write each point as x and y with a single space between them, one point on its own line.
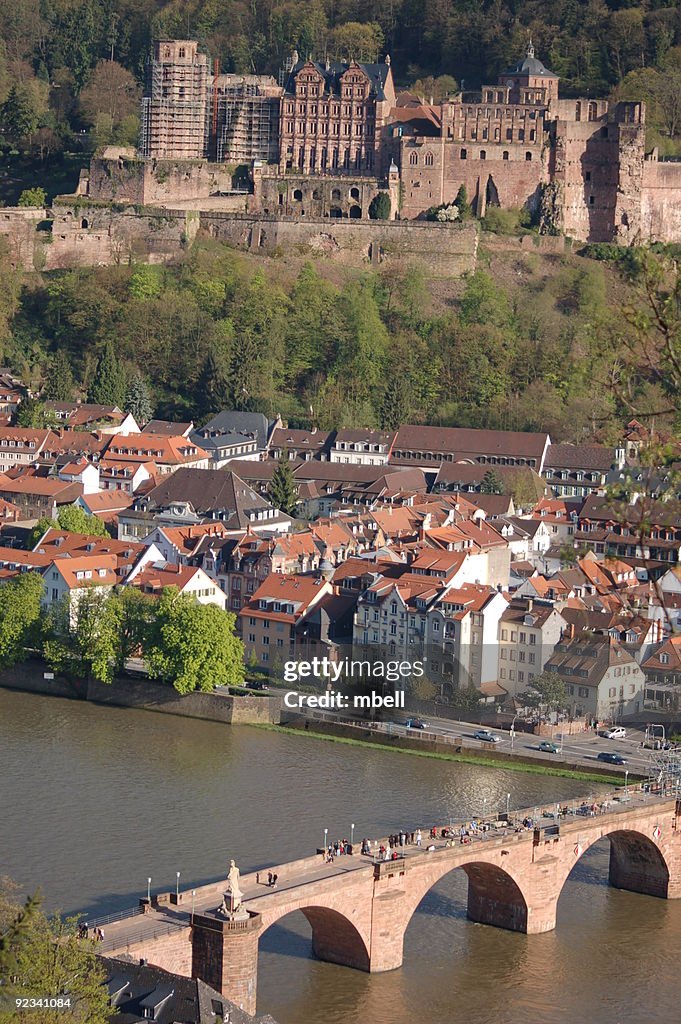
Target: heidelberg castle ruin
331 135
266 164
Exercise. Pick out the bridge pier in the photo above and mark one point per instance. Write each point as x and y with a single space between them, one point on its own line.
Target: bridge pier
225 956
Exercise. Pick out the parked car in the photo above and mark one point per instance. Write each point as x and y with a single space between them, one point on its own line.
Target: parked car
486 736
618 732
547 747
416 723
605 755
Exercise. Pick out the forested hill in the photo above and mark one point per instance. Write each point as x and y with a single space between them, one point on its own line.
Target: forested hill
52 51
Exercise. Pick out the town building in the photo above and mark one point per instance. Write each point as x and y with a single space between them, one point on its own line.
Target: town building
270 619
603 681
528 633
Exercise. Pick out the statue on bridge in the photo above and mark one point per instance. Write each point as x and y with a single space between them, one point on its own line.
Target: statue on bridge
232 897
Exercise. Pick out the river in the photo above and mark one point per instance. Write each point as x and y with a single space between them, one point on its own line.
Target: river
95 800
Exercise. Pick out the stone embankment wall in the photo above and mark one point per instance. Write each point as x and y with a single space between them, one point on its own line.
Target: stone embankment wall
88 232
133 693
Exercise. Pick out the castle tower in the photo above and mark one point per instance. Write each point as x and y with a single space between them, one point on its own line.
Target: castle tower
529 81
175 108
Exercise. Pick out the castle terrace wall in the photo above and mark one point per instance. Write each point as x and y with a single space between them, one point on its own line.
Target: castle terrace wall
448 250
129 179
661 201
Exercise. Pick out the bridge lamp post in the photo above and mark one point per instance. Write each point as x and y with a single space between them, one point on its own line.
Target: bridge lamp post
508 805
626 780
177 885
326 832
352 834
193 897
149 890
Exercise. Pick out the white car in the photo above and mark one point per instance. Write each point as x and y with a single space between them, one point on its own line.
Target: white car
486 736
618 733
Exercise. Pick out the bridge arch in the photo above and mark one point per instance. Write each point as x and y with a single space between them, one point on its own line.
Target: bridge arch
335 937
637 863
495 895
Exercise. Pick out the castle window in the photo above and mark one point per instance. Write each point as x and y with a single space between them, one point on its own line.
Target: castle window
532 135
483 154
354 193
591 200
413 159
428 161
528 156
297 195
335 194
181 52
504 155
84 223
578 111
485 133
464 154
587 176
593 109
509 133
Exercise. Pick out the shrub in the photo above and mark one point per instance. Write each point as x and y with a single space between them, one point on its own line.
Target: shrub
33 197
379 207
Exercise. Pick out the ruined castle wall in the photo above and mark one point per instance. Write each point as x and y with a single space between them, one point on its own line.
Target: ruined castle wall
505 175
586 171
126 179
20 235
448 250
661 201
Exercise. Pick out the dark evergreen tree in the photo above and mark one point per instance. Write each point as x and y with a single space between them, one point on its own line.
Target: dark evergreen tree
379 207
462 204
395 407
491 483
138 400
213 391
283 492
108 386
59 386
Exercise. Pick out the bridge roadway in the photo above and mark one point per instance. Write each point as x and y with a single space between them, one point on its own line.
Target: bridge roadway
359 908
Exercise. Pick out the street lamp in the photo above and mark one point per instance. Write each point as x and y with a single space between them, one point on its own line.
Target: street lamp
149 890
626 779
177 886
352 834
193 897
326 832
508 805
512 731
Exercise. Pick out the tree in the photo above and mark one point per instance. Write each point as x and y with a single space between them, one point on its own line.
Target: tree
31 413
467 698
396 403
213 386
108 386
193 646
111 90
422 689
40 954
137 617
33 197
356 40
283 492
138 400
60 383
491 483
547 690
76 520
20 613
462 204
18 117
379 207
82 635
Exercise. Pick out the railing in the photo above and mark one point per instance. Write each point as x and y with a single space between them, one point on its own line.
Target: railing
98 922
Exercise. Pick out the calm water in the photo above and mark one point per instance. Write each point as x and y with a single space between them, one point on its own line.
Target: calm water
95 800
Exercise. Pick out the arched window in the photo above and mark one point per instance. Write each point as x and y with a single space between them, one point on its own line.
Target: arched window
528 156
483 154
84 223
428 160
335 194
298 195
413 159
354 193
592 111
504 155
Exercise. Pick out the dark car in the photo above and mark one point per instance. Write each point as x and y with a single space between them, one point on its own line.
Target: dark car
605 755
416 723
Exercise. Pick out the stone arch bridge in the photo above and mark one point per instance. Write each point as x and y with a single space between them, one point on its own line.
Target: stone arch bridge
359 910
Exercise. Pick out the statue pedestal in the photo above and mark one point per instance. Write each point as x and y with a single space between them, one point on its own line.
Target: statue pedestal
231 909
